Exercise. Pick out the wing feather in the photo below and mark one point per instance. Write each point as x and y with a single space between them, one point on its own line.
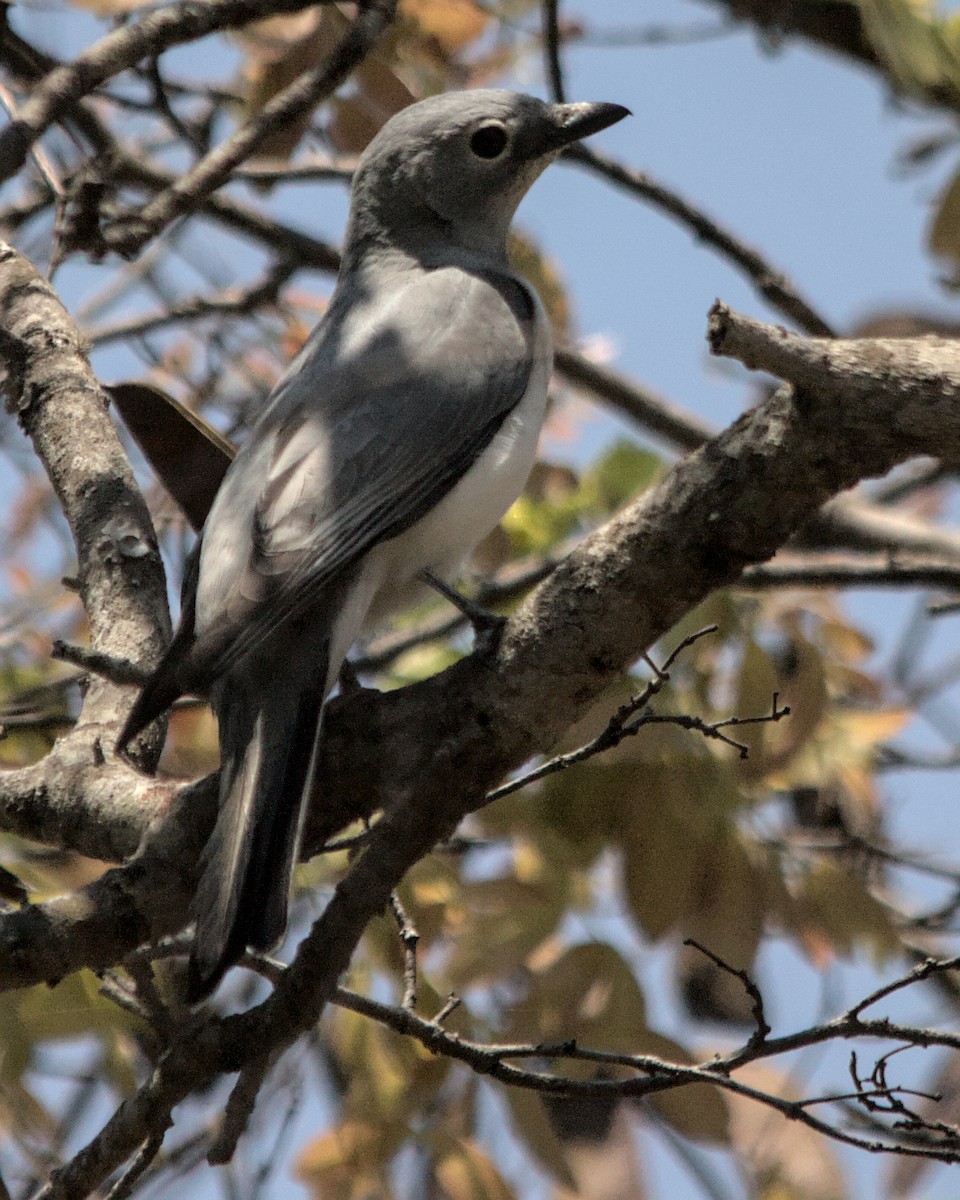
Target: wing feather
372 425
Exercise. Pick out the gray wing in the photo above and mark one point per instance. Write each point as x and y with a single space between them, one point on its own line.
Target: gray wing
374 423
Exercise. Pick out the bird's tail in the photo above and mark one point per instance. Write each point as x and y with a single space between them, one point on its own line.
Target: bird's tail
163 687
268 738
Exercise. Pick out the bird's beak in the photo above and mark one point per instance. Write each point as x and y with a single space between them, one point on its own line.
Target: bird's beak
571 122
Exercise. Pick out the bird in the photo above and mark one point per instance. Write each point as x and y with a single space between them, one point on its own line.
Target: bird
393 443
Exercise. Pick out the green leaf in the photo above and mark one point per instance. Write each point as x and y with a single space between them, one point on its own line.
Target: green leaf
622 473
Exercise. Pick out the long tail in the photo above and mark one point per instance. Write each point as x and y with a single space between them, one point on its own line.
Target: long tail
268 739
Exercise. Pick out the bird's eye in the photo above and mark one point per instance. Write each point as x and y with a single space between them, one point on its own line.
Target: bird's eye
489 141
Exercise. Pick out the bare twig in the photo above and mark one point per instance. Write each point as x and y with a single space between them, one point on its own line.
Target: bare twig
640 405
410 939
760 1034
138 1165
56 95
656 1075
127 234
107 666
632 716
772 284
853 570
231 302
551 47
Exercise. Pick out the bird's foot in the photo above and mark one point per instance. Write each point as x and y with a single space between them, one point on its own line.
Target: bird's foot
487 625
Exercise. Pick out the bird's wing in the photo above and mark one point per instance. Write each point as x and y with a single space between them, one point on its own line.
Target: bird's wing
360 441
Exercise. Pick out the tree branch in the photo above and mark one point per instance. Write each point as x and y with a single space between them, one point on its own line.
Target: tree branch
55 95
63 410
130 232
429 753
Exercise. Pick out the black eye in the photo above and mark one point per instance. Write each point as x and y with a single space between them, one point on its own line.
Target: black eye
489 141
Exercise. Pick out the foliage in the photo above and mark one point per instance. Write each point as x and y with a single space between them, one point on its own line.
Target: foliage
710 837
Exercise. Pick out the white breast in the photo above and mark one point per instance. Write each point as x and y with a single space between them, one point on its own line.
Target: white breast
442 539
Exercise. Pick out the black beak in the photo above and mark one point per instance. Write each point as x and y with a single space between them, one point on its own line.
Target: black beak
571 122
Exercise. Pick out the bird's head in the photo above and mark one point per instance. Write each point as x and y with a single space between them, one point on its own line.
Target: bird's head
452 169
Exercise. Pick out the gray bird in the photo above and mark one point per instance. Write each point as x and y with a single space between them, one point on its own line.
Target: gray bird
393 443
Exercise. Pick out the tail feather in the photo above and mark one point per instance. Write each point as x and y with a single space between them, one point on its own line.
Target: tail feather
167 683
158 693
268 741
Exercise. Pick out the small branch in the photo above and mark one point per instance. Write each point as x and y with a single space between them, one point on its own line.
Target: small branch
551 47
631 717
622 394
772 284
107 666
762 1031
657 1075
922 971
450 1005
852 570
410 939
312 169
56 95
239 1107
230 302
141 1161
127 234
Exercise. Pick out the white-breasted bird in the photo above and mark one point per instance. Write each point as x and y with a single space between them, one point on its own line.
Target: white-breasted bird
392 444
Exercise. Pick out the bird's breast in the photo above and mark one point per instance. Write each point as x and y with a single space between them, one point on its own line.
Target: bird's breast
442 539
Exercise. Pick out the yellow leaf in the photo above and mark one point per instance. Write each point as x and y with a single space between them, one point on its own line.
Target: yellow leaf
835 909
783 1159
466 1173
728 906
349 1161
534 1129
697 1111
588 993
451 24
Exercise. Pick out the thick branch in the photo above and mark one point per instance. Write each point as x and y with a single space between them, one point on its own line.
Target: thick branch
62 408
429 753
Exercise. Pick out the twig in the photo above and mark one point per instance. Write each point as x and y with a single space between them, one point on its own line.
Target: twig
230 302
852 570
141 1161
314 169
56 95
640 405
772 284
410 939
107 666
657 1075
450 1005
127 234
36 152
632 716
551 47
239 1107
762 1031
923 970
